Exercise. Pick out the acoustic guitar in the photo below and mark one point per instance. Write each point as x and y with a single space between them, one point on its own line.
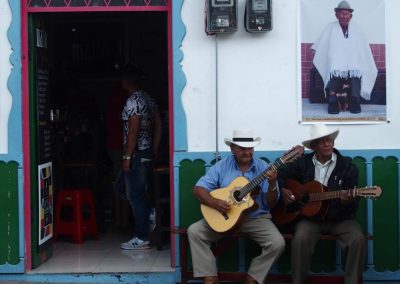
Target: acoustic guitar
237 194
310 201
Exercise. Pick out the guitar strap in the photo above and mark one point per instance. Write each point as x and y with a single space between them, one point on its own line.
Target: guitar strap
340 177
309 174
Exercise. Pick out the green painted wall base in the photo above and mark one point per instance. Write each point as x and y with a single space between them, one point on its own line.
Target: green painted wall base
9 218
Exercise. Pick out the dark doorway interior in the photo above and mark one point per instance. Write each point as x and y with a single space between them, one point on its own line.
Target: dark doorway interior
85 53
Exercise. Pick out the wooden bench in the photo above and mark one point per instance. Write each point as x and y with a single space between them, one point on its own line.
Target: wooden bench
187 274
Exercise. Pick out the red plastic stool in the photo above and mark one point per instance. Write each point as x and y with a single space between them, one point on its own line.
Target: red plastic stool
76 224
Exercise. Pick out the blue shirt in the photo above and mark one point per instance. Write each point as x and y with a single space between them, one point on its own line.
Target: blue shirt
225 171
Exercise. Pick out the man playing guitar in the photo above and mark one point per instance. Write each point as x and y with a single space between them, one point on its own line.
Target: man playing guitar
258 223
327 166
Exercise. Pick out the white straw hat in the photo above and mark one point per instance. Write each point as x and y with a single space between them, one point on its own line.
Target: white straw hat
243 138
318 131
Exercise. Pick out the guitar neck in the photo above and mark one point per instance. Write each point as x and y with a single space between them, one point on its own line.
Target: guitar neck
260 178
319 196
327 195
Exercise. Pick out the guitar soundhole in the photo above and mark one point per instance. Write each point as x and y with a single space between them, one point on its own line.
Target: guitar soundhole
236 195
298 205
305 198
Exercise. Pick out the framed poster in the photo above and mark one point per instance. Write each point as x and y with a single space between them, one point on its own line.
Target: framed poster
46 193
342 68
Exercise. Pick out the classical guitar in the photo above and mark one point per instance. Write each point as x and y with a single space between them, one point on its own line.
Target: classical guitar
237 194
309 201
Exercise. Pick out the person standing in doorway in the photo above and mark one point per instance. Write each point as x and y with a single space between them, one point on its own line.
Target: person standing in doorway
142 134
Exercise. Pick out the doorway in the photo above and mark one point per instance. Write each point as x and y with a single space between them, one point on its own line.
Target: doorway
75 60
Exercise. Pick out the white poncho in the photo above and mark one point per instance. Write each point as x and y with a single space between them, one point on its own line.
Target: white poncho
343 57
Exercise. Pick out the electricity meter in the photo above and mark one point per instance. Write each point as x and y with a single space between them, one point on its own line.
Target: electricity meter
221 16
258 16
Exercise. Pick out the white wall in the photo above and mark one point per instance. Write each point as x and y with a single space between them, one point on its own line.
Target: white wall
258 83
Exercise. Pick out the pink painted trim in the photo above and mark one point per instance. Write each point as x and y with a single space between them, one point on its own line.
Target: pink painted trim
88 2
99 9
25 108
171 132
25 137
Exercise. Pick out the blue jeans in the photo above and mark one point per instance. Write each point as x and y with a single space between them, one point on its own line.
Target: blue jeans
137 181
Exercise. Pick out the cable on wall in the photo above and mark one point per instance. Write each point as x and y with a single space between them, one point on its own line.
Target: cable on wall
216 154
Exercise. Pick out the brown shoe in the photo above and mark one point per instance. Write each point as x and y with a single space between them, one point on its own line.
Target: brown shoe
210 280
249 280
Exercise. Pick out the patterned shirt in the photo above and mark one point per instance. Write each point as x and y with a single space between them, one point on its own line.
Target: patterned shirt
225 171
141 104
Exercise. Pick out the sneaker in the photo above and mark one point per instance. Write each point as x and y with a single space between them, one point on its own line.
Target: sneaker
152 219
135 244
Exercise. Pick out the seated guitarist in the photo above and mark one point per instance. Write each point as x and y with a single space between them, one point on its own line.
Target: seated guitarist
258 223
327 166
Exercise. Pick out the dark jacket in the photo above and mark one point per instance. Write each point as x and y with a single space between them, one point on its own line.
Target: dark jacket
344 176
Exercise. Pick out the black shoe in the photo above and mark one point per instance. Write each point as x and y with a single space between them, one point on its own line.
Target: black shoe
333 108
355 106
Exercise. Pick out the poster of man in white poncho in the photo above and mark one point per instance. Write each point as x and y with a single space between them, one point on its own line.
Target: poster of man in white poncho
342 61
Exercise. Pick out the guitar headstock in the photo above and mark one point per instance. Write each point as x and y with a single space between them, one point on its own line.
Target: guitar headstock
369 192
291 155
